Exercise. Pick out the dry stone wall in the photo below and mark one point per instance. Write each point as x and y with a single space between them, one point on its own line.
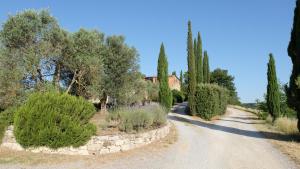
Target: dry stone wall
98 145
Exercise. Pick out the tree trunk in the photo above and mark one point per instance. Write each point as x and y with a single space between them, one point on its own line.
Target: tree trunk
72 82
56 78
40 76
103 103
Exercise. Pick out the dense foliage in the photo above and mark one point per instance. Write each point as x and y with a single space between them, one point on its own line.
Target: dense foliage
6 119
36 51
121 71
152 91
138 119
273 100
199 60
54 120
191 71
165 94
206 71
293 90
222 78
285 110
211 100
178 96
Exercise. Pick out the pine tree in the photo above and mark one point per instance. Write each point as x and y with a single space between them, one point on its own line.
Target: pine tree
165 95
191 71
273 100
293 91
206 71
199 60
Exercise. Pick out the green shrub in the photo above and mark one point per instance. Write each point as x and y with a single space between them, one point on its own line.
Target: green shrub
7 115
263 115
2 130
54 120
6 119
137 119
178 96
211 100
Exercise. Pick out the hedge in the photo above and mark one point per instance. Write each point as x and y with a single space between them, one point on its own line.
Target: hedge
54 120
211 100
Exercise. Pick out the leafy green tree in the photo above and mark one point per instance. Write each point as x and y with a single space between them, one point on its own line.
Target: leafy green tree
11 89
293 90
273 100
206 71
152 91
222 78
85 63
27 35
121 70
165 95
199 60
25 48
181 78
174 73
135 91
191 71
195 51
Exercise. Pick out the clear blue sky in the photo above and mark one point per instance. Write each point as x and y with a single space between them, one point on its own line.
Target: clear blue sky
238 34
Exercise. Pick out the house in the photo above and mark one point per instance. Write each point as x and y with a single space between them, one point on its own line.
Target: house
174 82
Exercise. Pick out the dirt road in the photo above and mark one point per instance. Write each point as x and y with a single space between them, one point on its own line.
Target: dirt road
231 142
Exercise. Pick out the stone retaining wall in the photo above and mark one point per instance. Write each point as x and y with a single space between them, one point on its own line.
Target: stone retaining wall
98 145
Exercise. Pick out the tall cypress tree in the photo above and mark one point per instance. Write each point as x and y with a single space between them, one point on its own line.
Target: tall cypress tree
206 71
199 60
191 71
181 79
165 95
195 53
293 91
273 100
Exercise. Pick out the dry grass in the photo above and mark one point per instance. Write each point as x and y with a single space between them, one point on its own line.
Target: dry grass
103 128
291 146
286 125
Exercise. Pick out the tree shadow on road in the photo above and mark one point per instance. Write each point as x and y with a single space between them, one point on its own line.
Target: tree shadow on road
237 121
248 133
244 118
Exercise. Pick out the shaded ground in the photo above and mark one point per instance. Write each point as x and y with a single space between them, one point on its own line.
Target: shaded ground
230 142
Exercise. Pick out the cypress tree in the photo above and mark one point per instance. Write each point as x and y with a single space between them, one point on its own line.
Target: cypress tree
181 78
191 71
293 91
195 52
165 95
199 60
206 71
273 100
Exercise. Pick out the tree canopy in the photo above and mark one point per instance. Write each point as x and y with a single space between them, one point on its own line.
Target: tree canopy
222 78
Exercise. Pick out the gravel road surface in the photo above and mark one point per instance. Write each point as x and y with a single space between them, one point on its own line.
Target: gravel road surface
232 142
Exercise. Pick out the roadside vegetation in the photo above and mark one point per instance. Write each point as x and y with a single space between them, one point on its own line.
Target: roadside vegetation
54 120
211 100
138 119
53 82
207 93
